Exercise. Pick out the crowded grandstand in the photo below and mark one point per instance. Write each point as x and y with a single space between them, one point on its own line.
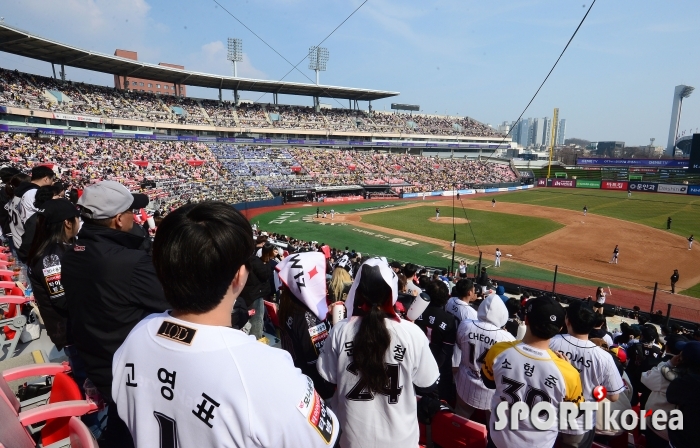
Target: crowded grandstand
141 308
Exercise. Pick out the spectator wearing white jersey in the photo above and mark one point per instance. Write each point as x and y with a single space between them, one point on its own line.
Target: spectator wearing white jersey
596 367
184 377
459 304
474 339
376 359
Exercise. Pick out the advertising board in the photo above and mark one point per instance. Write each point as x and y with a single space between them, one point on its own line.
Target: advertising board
581 183
612 185
643 186
672 188
694 189
563 183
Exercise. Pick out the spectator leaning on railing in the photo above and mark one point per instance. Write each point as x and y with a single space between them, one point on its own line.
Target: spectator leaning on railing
110 286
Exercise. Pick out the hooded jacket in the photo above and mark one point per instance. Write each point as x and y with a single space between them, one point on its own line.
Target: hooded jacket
110 286
479 336
657 380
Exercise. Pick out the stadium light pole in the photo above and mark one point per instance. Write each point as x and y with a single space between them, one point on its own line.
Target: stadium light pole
318 57
680 92
234 54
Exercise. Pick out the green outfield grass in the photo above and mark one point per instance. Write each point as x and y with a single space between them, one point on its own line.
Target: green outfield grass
385 244
487 227
650 209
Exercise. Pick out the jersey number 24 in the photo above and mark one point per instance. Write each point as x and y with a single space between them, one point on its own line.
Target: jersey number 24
360 392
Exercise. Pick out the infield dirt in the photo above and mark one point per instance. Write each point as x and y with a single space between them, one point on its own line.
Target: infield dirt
583 247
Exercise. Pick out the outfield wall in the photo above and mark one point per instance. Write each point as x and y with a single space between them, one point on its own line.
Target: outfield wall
647 187
468 191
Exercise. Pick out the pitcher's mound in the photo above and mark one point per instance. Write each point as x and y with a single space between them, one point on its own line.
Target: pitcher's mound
448 220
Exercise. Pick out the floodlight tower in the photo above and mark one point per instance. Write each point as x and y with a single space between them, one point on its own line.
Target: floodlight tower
235 53
679 93
318 56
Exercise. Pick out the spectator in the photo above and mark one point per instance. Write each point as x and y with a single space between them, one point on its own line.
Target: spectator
442 330
514 325
599 330
459 305
410 270
657 380
110 286
303 313
21 207
642 357
269 257
341 281
375 359
532 364
6 173
200 253
474 339
684 392
483 280
256 291
501 292
56 229
42 195
596 367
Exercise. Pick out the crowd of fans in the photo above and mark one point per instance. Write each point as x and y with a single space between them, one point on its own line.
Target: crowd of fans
42 93
363 334
173 173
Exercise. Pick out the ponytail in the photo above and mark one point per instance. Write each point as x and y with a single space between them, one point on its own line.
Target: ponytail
372 339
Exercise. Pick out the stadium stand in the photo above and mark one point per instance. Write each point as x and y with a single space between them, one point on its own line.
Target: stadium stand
35 92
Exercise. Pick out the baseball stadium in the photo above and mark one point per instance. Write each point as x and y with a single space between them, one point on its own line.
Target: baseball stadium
128 213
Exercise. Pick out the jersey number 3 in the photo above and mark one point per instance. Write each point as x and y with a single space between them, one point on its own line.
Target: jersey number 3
360 392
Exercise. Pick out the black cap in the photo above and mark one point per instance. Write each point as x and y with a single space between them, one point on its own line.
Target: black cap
57 210
545 310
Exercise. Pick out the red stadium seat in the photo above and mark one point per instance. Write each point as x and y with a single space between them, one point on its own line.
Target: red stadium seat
80 435
452 431
13 421
271 309
62 389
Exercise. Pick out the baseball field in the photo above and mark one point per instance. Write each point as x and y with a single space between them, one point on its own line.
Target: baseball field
538 231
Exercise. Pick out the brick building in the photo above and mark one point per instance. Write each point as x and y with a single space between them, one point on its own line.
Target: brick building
147 85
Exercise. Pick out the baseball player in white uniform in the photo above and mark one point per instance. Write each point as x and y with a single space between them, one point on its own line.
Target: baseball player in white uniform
595 366
690 242
332 213
498 258
474 339
616 253
437 214
185 378
375 411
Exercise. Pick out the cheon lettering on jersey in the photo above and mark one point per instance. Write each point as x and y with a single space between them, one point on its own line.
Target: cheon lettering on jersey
175 332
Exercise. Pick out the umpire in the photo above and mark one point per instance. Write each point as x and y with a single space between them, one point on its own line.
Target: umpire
674 280
110 286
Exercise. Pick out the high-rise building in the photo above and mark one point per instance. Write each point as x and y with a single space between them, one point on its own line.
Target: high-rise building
147 85
561 132
546 131
536 139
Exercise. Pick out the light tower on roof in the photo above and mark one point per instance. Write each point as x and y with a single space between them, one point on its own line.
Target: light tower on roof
318 57
235 53
681 91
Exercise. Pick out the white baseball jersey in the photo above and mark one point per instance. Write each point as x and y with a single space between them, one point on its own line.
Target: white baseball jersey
498 254
180 384
386 419
474 339
595 366
460 309
524 373
18 217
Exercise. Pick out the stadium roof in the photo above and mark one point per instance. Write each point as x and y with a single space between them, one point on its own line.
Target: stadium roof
23 43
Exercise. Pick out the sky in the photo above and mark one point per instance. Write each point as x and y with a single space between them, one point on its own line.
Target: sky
483 59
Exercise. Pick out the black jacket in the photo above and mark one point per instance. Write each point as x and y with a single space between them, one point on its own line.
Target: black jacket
110 286
27 238
45 277
684 392
258 283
